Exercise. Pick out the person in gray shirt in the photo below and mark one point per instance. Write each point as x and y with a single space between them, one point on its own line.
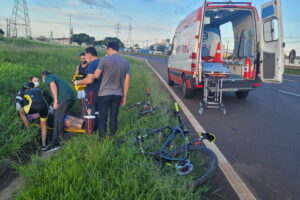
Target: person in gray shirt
112 94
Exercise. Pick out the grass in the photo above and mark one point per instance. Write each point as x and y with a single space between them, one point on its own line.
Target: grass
85 168
292 71
19 60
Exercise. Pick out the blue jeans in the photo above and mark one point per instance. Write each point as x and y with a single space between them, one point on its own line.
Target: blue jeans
108 103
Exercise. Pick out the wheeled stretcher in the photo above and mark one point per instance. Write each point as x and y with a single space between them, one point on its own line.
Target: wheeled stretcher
214 74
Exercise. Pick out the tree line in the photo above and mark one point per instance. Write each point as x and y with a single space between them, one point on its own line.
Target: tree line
89 40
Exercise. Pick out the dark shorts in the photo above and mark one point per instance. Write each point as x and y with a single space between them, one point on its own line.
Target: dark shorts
39 107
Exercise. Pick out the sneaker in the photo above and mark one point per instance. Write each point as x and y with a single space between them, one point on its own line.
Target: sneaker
45 148
53 148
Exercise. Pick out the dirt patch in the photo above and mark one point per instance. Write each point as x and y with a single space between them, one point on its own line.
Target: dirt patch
7 170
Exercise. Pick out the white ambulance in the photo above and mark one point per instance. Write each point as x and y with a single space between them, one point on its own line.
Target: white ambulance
200 47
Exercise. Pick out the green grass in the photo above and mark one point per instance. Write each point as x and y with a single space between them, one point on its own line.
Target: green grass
85 168
292 71
19 60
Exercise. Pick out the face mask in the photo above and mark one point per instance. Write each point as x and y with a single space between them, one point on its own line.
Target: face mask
36 84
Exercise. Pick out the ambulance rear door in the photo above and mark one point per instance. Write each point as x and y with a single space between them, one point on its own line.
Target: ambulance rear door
271 43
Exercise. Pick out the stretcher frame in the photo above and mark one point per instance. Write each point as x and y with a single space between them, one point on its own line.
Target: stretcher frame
213 93
72 130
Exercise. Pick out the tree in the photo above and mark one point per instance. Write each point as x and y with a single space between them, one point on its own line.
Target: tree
113 39
152 48
161 48
82 38
1 33
136 46
99 43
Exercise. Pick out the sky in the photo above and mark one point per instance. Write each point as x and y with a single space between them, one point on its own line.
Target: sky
152 20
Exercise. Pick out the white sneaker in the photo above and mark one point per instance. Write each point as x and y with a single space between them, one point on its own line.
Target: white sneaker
53 148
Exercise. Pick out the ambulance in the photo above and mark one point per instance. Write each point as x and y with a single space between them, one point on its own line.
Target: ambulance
200 47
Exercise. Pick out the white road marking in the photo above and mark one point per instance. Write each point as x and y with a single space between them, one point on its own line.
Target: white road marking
290 80
233 178
292 75
290 93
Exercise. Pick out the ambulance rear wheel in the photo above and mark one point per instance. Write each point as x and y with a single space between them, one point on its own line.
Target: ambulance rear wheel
241 94
187 92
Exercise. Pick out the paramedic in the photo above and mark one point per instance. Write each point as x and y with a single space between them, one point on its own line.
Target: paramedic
81 70
92 85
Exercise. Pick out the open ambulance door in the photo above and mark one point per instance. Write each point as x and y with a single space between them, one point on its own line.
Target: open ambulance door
271 43
200 33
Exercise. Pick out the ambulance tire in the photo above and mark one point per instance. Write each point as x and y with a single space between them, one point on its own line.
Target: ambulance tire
241 94
187 92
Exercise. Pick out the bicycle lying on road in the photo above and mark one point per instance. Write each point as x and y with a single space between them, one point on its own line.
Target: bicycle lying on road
192 162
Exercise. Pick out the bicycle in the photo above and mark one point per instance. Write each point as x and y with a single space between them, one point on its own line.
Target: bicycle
146 107
194 163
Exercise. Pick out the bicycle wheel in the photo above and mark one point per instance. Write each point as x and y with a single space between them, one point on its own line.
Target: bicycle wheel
130 107
202 164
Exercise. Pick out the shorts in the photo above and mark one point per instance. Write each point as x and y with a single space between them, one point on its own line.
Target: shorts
81 94
41 108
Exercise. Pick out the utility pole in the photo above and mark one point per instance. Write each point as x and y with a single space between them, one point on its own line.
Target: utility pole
118 29
71 30
7 28
51 35
129 38
19 22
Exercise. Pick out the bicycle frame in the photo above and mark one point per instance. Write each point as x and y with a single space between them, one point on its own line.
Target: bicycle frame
175 130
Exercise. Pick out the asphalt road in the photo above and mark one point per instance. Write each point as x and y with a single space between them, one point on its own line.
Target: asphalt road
260 136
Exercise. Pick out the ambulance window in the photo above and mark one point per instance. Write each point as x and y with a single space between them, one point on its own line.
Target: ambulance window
271 30
268 11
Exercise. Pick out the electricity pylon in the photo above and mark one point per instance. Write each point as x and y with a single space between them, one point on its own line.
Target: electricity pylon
19 22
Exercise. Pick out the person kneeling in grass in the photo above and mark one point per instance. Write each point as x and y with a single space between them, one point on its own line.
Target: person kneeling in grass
29 101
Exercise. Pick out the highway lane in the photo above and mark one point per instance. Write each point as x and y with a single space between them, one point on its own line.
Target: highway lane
260 136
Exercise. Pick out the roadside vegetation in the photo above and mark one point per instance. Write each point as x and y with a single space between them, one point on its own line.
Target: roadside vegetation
20 59
84 168
292 71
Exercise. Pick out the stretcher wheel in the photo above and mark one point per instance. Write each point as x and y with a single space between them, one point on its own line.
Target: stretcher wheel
224 111
201 109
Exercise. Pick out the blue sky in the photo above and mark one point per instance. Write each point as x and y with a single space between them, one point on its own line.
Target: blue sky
151 19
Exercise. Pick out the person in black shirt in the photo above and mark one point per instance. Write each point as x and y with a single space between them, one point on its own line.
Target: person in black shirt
82 70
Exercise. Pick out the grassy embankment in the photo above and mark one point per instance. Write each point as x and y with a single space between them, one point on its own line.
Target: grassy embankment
292 71
19 60
84 168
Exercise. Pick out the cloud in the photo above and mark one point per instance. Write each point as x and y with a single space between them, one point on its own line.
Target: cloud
99 3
